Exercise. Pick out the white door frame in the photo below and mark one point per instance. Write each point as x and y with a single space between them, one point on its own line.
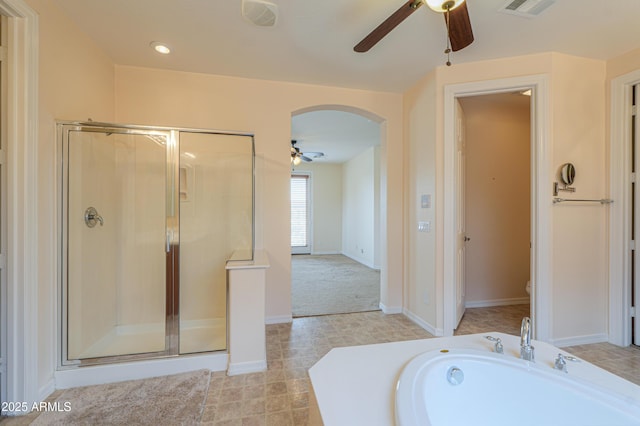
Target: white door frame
620 212
22 200
541 185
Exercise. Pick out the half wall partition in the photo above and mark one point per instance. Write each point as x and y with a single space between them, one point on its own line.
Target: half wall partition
149 218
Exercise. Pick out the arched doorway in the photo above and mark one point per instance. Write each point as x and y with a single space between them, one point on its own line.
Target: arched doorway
337 231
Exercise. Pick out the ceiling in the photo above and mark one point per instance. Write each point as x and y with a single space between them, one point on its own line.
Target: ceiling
339 135
312 42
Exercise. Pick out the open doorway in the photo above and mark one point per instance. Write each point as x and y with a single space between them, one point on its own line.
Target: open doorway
335 213
453 241
496 204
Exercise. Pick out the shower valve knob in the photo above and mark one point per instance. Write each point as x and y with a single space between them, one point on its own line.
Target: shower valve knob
91 217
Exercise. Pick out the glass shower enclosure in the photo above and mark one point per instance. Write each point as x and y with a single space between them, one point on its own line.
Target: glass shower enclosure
149 217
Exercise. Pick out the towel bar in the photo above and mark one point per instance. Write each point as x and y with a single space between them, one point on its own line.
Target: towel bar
601 201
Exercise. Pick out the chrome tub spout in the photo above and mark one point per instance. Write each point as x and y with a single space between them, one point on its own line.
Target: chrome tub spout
526 350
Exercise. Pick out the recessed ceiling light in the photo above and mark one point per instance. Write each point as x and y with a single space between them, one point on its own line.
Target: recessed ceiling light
160 47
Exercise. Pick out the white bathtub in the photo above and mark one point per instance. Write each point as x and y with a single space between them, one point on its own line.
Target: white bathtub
357 385
496 389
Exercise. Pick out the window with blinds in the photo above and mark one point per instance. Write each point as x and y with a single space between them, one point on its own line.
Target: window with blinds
300 213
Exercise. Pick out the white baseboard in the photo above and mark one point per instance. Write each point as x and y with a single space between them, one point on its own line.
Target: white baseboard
438 332
389 310
47 389
580 340
97 375
359 260
278 319
321 253
246 367
497 302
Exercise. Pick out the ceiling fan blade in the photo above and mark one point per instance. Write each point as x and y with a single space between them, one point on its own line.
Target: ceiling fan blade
389 24
305 158
314 154
460 33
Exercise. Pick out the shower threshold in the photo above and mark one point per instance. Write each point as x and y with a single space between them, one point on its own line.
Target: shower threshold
196 336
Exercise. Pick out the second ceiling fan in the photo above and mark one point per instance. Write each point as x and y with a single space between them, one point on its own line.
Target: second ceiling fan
456 15
297 156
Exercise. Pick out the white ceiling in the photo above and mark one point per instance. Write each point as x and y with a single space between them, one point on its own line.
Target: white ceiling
339 135
313 40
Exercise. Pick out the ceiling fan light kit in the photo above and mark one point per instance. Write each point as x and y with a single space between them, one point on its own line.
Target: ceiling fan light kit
443 6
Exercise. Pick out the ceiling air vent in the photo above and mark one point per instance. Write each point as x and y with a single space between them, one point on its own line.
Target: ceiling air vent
259 12
526 8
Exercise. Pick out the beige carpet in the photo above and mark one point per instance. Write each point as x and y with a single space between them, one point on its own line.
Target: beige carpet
332 284
167 400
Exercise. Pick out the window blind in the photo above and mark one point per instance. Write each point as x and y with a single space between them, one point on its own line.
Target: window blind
299 205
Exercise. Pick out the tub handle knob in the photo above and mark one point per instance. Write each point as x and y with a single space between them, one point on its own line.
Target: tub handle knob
561 362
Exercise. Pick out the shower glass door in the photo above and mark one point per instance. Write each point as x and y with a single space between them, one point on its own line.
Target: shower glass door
150 217
118 206
216 223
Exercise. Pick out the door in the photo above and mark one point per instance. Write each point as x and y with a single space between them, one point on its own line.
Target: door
216 224
119 214
300 213
635 216
461 236
3 212
149 219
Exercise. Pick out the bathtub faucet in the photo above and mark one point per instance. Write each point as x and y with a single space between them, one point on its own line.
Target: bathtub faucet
526 350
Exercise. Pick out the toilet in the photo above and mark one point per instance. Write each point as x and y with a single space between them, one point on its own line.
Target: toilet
528 287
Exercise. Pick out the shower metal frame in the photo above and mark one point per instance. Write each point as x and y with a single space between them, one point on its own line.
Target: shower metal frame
172 297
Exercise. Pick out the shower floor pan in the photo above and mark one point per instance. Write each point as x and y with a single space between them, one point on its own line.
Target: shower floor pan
196 336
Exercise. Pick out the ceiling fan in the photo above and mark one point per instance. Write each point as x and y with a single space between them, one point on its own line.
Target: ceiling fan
297 156
456 16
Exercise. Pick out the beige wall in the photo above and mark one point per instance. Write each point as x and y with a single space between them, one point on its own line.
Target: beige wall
497 198
346 207
157 97
326 182
623 64
76 82
580 238
577 119
420 296
359 209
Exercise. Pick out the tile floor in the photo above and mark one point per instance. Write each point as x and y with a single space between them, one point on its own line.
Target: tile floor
280 396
